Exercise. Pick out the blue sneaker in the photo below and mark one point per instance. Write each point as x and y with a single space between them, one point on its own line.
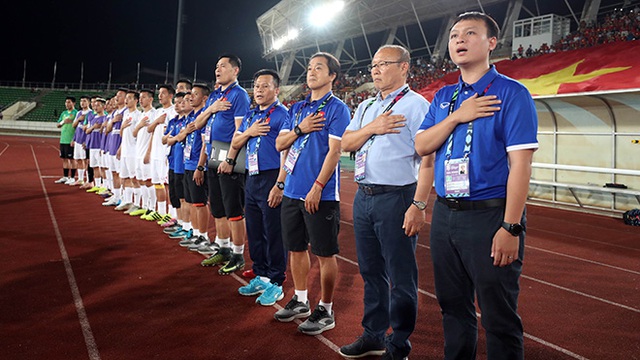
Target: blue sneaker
181 234
270 295
256 286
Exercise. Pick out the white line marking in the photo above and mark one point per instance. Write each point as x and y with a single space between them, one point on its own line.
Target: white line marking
89 339
5 148
585 260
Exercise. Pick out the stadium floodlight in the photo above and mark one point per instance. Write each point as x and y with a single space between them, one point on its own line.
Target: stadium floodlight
321 15
291 35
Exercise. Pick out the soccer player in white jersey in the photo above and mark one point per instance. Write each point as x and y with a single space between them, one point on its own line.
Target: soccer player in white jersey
127 152
159 165
143 154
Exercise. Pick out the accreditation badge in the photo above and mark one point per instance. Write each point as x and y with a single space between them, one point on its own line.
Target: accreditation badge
187 152
456 178
361 160
291 160
253 163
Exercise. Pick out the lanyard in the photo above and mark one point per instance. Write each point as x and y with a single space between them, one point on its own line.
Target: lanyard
395 100
468 138
192 137
267 119
223 94
297 120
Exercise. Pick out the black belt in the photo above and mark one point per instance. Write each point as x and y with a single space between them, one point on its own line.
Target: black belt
380 189
456 204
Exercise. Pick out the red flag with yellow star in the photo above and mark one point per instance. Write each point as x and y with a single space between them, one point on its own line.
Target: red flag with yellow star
601 68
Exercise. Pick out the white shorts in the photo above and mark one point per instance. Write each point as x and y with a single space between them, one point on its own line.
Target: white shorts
104 159
143 171
113 163
159 171
128 167
95 158
79 152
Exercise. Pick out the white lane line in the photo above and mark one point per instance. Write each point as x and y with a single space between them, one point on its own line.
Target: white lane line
6 146
89 339
582 259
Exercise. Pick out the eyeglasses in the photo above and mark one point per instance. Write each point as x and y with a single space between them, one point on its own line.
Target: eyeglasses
382 64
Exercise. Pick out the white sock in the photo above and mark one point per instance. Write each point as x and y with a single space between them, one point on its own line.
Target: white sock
265 279
196 232
80 174
117 193
98 182
162 207
224 243
137 196
173 212
238 249
128 195
187 225
327 306
151 197
302 295
205 235
109 176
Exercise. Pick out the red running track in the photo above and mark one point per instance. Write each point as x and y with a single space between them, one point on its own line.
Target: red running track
79 280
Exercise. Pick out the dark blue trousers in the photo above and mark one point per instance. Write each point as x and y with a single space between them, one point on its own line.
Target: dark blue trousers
460 249
386 257
263 227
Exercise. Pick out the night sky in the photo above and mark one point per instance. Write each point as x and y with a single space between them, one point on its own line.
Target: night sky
125 32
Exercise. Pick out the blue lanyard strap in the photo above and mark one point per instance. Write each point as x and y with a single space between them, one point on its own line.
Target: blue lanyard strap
297 120
389 107
469 136
267 118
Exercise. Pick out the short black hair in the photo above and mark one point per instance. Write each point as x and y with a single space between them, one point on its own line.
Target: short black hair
332 62
493 30
124 90
180 94
186 81
72 98
85 97
136 94
148 91
234 60
169 88
273 73
205 89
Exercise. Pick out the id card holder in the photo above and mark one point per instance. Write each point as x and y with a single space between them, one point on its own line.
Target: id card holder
361 160
253 163
291 160
456 178
207 130
187 151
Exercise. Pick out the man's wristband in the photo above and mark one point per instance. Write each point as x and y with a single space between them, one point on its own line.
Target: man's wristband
319 184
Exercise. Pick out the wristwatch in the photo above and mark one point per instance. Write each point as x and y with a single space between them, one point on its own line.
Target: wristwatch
230 161
421 205
513 229
200 168
280 185
298 131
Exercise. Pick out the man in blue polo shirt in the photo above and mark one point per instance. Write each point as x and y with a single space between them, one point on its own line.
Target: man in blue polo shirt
224 111
175 160
311 203
194 181
389 206
483 131
264 188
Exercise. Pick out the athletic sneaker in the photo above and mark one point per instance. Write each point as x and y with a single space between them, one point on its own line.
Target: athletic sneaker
103 191
123 207
62 180
187 241
293 310
70 181
221 257
319 322
200 241
181 234
235 264
152 216
208 248
171 222
171 229
111 202
167 219
271 295
137 212
363 347
93 189
254 287
76 183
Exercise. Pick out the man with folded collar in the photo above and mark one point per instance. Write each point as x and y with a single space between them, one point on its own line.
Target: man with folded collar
223 114
389 206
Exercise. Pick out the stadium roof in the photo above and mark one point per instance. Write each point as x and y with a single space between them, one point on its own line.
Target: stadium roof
357 17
